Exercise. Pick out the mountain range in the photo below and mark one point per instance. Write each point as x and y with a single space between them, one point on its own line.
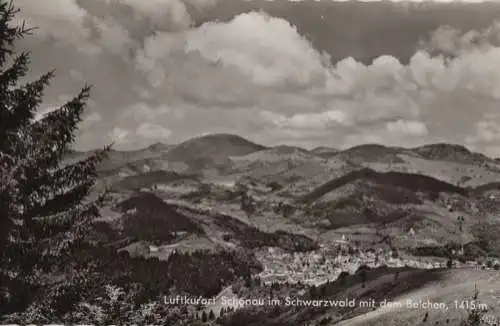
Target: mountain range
223 193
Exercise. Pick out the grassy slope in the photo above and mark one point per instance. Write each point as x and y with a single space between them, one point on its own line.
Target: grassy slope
439 286
454 285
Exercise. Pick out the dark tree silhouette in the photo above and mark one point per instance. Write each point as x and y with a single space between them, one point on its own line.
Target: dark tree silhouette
45 204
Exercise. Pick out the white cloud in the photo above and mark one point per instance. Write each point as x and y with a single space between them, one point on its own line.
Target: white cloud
154 58
63 21
412 128
119 135
64 98
485 132
264 64
450 40
152 131
262 77
143 112
201 4
76 75
269 50
165 14
113 37
68 24
493 151
142 92
90 120
320 120
159 114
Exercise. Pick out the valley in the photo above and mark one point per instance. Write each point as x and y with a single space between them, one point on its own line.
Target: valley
308 219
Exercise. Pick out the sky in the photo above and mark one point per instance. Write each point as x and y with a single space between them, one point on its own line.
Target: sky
309 73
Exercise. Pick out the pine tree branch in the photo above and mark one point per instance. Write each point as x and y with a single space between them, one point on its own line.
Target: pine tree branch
71 175
61 202
9 77
50 191
17 109
52 229
9 170
45 206
55 132
9 34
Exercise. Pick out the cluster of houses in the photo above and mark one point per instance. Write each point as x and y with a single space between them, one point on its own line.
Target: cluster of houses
326 263
323 265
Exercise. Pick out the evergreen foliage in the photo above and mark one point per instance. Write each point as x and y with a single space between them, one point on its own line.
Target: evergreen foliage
46 205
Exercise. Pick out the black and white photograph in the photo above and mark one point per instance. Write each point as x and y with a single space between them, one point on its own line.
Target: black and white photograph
250 162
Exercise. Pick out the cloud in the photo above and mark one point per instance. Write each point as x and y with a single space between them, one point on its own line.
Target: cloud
268 50
258 76
164 14
486 136
152 131
263 64
137 125
90 120
452 41
51 18
202 4
118 135
112 36
412 128
90 32
485 132
143 112
66 23
304 121
76 75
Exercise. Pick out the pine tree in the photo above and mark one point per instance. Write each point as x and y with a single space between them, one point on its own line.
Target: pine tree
45 204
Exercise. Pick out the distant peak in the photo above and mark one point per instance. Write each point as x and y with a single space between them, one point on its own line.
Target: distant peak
367 146
324 149
373 149
217 136
450 152
159 146
222 138
444 146
156 144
